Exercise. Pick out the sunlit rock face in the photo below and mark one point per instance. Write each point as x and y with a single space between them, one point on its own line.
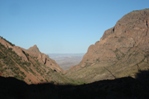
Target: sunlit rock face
29 65
122 50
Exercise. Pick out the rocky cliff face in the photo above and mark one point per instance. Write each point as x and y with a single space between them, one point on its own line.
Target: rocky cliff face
43 58
122 50
29 65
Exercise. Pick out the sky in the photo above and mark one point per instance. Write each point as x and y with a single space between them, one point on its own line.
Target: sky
61 26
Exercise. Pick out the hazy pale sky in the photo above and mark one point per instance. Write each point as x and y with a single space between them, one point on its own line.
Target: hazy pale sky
61 26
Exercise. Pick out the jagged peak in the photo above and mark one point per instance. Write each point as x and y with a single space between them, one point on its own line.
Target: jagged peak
34 48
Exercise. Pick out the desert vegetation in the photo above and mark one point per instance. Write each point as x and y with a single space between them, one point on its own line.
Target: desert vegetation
9 63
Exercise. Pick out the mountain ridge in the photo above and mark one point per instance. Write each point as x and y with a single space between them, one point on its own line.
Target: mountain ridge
29 65
122 51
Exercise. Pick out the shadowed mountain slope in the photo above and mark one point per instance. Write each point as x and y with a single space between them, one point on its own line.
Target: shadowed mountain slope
122 88
121 52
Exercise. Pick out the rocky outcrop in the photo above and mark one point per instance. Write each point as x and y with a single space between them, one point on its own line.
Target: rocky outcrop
16 49
122 50
43 58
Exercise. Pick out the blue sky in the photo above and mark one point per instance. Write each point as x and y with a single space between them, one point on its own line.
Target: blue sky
61 26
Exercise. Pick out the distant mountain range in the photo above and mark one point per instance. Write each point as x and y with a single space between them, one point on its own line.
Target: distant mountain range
67 60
